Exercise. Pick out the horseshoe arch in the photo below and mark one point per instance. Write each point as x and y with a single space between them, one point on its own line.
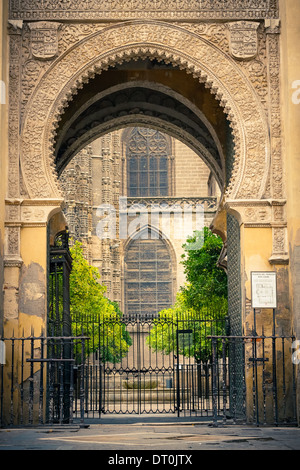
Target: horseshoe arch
156 40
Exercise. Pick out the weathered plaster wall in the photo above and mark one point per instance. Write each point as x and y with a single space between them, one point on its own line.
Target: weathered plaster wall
290 13
33 279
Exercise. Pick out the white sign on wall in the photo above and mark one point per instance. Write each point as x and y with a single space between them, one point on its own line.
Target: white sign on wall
264 289
2 353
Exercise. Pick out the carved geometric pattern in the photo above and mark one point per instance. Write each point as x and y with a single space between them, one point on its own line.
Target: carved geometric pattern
132 9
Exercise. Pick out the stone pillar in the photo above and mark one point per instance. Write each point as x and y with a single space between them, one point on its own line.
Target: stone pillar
26 264
25 285
290 85
260 250
4 71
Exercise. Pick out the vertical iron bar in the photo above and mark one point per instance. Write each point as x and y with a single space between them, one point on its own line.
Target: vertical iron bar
12 380
224 379
174 371
234 391
41 398
253 381
71 389
178 378
31 381
51 388
100 386
192 388
139 366
275 398
22 380
255 366
61 384
214 382
294 385
244 377
82 381
264 377
1 394
100 367
283 381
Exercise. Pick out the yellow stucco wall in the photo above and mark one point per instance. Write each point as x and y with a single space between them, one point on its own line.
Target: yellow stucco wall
290 81
290 70
33 280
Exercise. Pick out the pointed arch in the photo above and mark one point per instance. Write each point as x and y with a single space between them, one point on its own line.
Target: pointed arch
149 273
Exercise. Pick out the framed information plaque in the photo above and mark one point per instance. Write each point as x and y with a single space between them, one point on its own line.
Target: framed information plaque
264 289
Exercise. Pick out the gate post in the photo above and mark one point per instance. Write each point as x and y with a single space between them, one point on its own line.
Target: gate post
59 320
214 382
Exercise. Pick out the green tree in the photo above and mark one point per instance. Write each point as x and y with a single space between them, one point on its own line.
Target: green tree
92 313
200 324
206 283
201 304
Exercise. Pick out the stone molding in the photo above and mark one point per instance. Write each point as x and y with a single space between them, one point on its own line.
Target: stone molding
25 213
170 10
145 203
265 214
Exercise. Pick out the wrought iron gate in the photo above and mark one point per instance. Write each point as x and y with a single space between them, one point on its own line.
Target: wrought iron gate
143 379
150 365
58 358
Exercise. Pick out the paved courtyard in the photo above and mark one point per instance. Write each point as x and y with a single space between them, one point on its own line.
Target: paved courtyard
129 436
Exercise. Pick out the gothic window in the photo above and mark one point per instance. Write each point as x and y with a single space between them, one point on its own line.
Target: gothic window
148 155
148 277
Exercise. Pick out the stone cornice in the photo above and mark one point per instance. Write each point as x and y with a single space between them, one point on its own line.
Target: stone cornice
118 10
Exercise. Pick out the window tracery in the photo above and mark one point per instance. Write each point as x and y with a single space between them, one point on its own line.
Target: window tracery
148 277
148 164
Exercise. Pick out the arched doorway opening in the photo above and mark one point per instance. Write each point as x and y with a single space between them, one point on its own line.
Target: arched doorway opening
145 103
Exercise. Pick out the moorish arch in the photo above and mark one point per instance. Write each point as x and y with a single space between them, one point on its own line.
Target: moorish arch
93 88
142 103
132 40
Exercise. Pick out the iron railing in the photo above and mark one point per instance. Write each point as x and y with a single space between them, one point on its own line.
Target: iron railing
262 391
38 380
48 380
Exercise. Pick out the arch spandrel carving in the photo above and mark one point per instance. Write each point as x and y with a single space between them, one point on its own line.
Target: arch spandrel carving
173 44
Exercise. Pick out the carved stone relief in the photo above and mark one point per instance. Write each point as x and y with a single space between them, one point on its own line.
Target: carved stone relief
243 39
44 39
14 109
132 9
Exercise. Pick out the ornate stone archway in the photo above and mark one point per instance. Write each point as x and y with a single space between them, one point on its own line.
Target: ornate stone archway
51 82
125 41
